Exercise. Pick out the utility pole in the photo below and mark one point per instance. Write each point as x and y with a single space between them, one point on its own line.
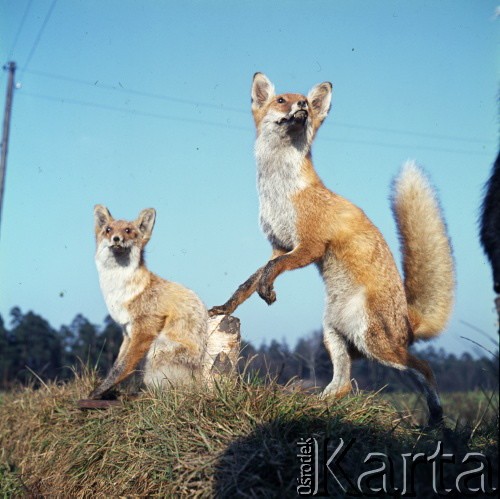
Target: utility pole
11 68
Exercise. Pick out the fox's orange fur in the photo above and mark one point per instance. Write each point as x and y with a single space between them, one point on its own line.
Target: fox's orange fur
369 311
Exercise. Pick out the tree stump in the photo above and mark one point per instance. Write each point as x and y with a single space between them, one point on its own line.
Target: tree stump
223 345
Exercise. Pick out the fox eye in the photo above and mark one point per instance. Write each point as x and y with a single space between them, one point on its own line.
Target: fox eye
108 230
128 231
281 100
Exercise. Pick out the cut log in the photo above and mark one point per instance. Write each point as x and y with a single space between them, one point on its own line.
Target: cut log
223 345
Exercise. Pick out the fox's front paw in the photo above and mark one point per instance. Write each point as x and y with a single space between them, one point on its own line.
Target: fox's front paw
95 394
266 292
99 394
220 310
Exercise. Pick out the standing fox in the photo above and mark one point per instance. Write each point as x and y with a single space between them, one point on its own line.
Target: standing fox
369 312
161 320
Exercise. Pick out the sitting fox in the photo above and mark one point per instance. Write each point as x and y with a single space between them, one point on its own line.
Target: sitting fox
161 320
369 311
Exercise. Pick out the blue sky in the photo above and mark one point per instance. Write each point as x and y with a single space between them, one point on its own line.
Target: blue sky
137 104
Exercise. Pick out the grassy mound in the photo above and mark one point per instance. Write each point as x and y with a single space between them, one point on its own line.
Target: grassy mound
238 440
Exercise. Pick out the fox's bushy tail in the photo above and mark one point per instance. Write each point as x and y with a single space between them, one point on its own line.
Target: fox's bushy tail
427 258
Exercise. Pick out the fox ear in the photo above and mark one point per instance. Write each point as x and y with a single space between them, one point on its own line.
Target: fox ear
262 90
320 99
102 216
146 221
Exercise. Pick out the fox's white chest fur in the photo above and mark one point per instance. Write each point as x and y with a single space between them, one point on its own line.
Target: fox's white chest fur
117 284
278 180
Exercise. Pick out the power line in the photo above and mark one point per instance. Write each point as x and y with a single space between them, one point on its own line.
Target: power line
408 147
134 112
39 35
19 29
147 114
120 88
416 134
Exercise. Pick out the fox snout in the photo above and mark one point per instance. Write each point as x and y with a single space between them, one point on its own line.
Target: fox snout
118 236
301 116
116 239
118 244
297 110
295 117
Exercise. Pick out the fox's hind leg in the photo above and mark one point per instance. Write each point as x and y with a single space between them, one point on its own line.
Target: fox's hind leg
168 365
420 372
338 349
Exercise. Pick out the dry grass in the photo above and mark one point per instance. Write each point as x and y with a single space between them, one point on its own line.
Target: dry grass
239 440
462 409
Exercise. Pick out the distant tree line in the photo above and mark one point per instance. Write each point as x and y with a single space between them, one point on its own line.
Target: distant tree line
31 350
